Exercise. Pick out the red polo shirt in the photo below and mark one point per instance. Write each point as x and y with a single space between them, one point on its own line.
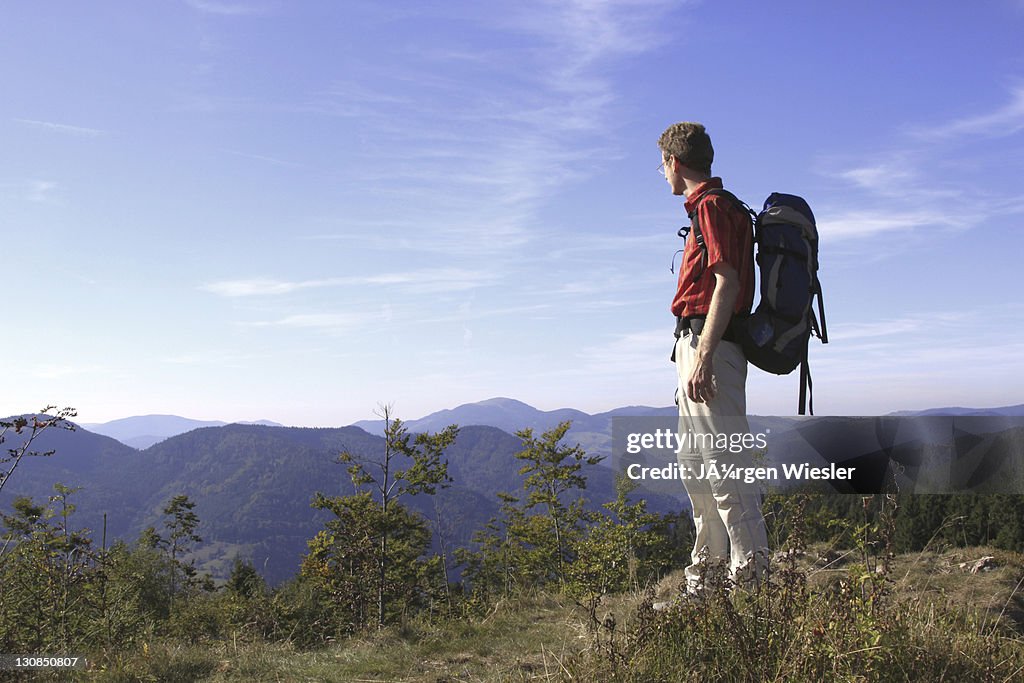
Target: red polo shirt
729 239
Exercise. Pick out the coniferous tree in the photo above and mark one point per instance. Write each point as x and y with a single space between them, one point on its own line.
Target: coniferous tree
495 566
553 473
181 524
623 551
244 580
46 569
374 540
534 539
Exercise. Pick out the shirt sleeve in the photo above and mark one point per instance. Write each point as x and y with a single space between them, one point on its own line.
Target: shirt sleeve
723 233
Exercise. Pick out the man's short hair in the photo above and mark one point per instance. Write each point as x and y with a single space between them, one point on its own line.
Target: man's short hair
690 143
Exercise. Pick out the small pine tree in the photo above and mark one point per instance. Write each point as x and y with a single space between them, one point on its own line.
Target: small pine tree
47 570
534 539
553 474
181 524
244 580
623 551
373 532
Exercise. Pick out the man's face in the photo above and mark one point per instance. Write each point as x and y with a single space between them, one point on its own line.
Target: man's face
670 166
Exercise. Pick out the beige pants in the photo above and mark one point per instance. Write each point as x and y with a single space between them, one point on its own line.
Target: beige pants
726 512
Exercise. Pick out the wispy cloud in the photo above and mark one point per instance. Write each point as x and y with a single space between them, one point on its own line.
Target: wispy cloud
906 361
910 341
638 355
39 190
1004 121
869 330
589 246
261 157
260 287
231 358
62 128
431 281
333 321
351 99
887 176
229 9
857 224
60 371
478 137
911 186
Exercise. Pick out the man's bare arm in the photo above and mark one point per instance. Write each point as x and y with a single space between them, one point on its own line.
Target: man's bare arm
700 387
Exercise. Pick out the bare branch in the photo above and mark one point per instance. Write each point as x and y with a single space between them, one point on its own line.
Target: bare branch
35 425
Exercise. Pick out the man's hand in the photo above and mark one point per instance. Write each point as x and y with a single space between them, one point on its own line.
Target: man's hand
700 387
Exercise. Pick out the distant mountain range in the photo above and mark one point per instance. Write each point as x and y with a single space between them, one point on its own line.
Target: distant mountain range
143 431
253 483
509 415
1007 411
593 432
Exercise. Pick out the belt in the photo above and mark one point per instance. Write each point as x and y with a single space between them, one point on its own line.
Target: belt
695 324
686 325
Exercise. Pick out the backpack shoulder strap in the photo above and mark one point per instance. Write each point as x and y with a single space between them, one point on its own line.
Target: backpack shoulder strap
722 193
695 224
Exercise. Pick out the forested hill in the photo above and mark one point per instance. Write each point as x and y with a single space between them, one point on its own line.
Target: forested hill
253 484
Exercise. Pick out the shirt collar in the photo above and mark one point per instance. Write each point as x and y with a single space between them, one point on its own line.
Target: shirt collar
709 184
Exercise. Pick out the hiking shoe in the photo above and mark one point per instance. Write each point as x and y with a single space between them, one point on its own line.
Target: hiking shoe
684 599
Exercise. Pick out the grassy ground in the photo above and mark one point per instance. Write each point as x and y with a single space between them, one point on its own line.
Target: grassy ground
925 618
936 622
520 640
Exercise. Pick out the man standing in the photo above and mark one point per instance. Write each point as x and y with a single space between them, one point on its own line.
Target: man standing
716 281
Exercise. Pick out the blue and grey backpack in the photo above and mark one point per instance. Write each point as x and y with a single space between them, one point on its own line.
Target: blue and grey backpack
775 336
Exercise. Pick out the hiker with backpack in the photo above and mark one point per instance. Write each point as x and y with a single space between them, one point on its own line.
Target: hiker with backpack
714 289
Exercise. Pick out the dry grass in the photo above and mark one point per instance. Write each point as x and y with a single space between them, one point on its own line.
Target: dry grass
938 623
925 618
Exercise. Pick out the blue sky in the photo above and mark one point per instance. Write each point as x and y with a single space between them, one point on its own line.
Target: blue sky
296 211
